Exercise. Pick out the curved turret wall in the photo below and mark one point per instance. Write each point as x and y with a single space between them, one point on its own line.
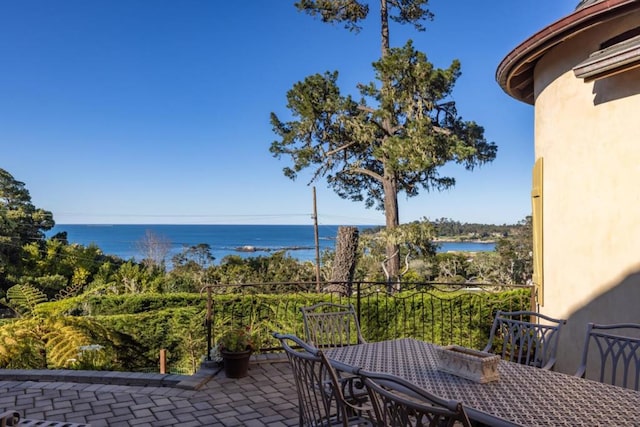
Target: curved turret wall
588 134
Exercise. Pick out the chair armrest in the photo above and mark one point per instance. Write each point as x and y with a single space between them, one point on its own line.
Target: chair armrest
353 389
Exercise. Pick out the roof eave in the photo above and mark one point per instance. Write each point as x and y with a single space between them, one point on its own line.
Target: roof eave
515 72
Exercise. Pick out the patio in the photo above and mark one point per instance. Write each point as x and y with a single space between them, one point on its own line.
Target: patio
267 397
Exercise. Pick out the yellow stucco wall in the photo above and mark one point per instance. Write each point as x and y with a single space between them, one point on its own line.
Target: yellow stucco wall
589 137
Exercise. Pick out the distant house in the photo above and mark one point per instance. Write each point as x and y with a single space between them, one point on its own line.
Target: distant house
582 75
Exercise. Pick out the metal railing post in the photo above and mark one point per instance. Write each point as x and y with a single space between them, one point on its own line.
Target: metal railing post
358 301
208 322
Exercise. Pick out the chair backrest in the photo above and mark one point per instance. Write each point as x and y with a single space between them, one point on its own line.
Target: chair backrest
611 354
519 338
320 398
328 325
397 402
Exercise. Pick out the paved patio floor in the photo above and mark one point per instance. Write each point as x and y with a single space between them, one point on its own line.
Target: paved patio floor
267 397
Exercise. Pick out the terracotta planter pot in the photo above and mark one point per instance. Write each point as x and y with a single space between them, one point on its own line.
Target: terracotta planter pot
236 365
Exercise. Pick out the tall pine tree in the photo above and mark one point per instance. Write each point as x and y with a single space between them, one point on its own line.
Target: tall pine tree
396 136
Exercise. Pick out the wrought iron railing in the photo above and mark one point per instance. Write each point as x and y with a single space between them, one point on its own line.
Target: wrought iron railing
442 313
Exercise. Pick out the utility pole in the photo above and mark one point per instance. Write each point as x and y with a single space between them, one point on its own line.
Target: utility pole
315 232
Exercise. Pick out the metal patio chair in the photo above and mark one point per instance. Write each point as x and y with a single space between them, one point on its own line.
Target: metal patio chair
398 402
321 399
612 353
519 339
329 325
9 418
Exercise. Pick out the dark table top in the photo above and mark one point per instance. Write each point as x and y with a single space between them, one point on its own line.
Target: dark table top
523 396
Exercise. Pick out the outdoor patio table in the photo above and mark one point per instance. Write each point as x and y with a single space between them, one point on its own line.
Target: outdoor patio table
523 396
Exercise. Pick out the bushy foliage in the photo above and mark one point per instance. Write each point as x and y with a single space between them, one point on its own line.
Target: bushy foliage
278 267
176 323
55 342
179 331
105 305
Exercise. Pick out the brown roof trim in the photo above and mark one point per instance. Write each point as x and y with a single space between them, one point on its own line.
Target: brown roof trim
515 72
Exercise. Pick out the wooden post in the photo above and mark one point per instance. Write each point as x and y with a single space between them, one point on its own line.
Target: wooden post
163 361
315 229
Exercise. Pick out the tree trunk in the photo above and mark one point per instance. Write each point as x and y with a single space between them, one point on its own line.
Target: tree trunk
384 27
344 264
392 262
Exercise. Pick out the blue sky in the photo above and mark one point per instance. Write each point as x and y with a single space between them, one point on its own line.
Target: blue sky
157 111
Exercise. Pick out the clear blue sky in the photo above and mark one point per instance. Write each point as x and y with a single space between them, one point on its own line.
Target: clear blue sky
157 111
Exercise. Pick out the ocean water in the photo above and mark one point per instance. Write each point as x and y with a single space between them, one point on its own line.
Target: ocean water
298 240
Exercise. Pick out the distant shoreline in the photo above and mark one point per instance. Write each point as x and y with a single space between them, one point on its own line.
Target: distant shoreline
450 240
298 241
251 248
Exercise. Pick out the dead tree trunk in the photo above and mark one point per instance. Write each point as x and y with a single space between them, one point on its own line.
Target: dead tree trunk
344 264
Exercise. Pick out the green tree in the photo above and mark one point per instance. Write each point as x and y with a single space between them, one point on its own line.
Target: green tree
396 137
278 267
516 254
190 268
54 265
452 267
413 240
484 267
134 278
197 255
20 223
417 236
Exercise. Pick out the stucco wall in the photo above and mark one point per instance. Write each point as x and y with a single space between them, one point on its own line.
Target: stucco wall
589 137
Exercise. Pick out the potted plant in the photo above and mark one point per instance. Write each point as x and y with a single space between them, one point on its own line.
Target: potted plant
236 346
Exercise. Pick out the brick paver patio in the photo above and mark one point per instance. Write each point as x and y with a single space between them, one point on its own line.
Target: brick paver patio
267 397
